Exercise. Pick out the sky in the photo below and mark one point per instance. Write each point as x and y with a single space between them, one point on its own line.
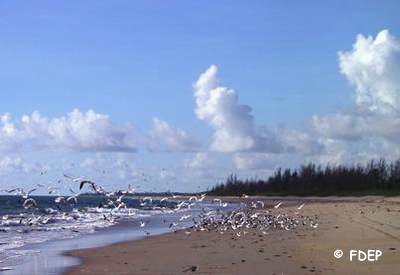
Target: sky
177 95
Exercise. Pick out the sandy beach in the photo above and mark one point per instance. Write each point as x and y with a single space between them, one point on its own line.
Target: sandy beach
356 223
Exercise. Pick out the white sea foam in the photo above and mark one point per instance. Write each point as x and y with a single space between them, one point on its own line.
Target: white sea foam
19 230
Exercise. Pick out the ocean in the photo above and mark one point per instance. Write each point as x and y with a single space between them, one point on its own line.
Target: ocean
30 237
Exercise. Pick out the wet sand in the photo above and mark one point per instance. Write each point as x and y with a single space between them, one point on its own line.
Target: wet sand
362 224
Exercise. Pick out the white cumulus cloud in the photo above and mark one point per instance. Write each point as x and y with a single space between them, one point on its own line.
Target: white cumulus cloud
16 164
200 161
9 165
233 123
371 128
78 131
169 138
373 67
254 161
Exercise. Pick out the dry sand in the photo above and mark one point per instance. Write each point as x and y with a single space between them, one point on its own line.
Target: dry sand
367 223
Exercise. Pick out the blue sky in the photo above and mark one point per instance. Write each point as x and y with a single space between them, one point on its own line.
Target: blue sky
136 60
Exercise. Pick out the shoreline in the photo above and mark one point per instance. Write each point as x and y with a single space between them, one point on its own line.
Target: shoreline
371 222
51 257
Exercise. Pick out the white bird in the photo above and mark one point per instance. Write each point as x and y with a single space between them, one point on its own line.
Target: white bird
260 203
313 224
74 179
130 190
26 195
301 206
202 197
59 200
173 224
142 224
73 198
120 198
121 205
217 200
28 203
146 200
185 217
180 205
193 198
20 192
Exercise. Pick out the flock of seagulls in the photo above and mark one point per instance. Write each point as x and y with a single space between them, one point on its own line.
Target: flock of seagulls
114 201
256 215
37 215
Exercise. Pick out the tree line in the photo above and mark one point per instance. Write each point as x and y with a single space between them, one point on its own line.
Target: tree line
375 177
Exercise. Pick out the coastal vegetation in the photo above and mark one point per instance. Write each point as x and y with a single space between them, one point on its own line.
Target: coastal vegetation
374 178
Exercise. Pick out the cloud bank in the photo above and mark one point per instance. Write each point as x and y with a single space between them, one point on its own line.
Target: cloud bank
77 131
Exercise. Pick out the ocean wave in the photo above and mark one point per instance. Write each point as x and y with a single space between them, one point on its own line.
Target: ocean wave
19 230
